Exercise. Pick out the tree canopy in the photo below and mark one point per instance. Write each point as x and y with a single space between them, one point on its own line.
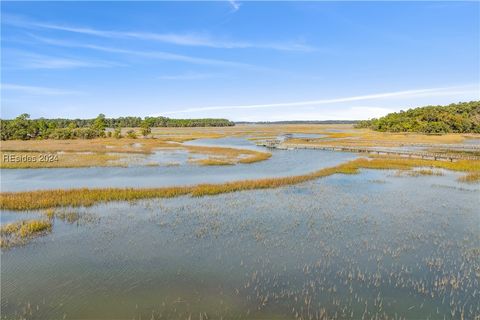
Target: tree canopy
24 128
462 117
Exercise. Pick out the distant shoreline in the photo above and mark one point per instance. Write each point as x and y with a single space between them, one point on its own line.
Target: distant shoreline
300 122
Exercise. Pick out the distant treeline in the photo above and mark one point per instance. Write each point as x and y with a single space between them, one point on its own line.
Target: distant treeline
25 128
300 122
462 117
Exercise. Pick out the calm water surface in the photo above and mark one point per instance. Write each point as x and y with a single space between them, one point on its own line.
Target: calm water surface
372 245
346 246
282 163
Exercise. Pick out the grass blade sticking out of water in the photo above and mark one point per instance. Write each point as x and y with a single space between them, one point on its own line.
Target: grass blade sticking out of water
471 177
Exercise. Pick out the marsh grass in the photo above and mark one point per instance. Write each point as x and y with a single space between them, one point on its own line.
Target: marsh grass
115 152
226 156
93 145
152 164
212 162
388 162
44 199
255 157
68 216
424 172
269 183
344 134
18 233
419 173
172 164
472 177
370 138
173 138
65 160
466 153
50 213
100 145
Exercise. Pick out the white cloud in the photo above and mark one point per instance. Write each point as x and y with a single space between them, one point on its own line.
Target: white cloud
182 39
235 5
33 90
189 76
25 60
349 113
161 55
397 94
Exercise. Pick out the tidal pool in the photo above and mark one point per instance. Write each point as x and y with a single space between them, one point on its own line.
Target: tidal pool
366 246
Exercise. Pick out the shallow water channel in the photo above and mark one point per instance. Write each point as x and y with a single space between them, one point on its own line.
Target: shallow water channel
372 245
282 163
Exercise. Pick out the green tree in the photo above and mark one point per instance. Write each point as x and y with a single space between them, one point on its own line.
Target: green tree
117 133
20 127
460 117
99 125
145 128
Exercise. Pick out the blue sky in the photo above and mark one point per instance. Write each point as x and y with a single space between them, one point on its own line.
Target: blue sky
245 61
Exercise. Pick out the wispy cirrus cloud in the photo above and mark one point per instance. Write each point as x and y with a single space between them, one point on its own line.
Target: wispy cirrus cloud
181 39
431 92
34 90
160 55
235 5
190 76
26 60
347 113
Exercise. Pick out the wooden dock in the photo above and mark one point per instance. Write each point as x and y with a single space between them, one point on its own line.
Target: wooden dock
278 144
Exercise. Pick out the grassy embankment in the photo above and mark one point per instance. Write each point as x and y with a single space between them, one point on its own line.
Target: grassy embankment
30 200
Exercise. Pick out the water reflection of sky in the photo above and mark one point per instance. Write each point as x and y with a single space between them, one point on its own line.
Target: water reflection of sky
282 163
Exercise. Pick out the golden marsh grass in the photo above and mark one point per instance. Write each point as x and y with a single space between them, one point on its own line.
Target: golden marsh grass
227 156
17 233
212 162
62 160
44 199
113 152
370 138
471 177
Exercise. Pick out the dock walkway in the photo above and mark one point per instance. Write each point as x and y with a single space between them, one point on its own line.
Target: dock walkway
278 144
